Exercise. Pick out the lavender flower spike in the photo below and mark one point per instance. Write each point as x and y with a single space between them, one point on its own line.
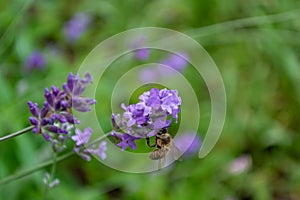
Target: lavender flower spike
176 61
55 119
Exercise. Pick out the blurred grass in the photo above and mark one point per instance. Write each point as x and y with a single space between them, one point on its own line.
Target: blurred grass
259 62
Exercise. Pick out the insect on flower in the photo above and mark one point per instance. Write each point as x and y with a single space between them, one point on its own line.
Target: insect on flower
164 145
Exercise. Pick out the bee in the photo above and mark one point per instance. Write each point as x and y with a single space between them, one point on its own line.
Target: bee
164 145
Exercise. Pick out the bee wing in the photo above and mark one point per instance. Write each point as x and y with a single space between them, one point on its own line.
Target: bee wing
160 156
175 152
161 162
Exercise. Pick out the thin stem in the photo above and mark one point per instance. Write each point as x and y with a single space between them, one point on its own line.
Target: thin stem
44 164
15 134
53 170
34 169
244 22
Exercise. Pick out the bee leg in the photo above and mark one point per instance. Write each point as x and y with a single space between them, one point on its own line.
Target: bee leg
148 142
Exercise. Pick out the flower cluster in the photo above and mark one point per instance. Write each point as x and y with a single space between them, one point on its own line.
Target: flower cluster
154 111
55 119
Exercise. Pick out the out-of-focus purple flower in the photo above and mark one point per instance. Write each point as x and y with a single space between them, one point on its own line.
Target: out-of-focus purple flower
188 143
74 28
144 119
82 137
55 117
240 164
177 61
141 53
36 60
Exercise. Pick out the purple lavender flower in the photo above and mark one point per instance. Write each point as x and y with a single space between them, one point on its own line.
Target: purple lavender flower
74 28
154 112
55 117
36 60
170 102
125 140
176 61
136 114
74 88
101 150
190 140
82 137
166 100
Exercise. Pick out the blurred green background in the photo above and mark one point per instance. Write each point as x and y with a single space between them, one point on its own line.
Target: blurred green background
258 153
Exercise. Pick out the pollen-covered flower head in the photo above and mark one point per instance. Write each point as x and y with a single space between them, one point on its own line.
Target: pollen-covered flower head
155 110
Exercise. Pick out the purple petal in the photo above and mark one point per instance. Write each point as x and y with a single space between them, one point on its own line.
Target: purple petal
55 90
48 96
33 121
46 136
55 129
34 109
82 104
45 110
82 137
71 119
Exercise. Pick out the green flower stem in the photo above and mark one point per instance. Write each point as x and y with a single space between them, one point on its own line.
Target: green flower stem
45 164
15 134
34 169
53 170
